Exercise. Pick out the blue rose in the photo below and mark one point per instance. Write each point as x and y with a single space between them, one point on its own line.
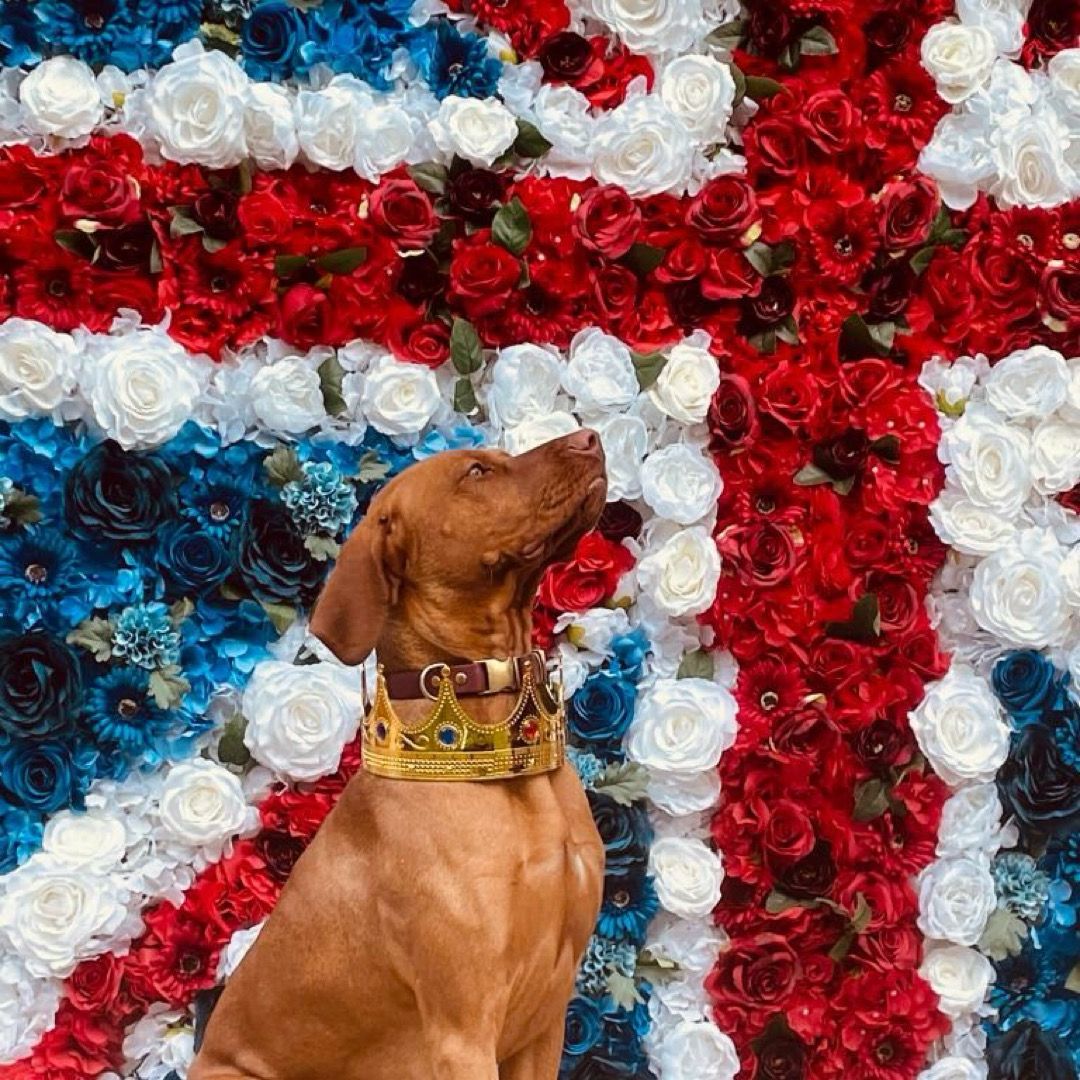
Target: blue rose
19 45
629 652
1025 1052
274 563
41 776
1028 684
625 831
193 559
115 495
583 1025
601 711
1038 786
40 685
20 835
271 39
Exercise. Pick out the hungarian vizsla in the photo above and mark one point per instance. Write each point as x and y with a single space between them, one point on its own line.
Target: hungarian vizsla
432 930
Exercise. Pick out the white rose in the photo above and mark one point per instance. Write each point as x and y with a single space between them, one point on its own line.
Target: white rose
593 630
652 26
300 718
524 383
38 368
1055 455
954 1068
678 794
950 383
970 529
956 897
1064 72
61 97
682 726
27 1008
197 107
1004 19
690 944
990 459
681 997
55 915
202 803
270 126
399 399
624 439
537 430
680 576
160 1043
959 976
688 875
961 729
700 91
95 839
680 483
643 147
694 1050
385 136
477 129
1017 594
971 821
1032 170
564 117
1028 384
599 373
238 947
686 384
959 58
287 396
958 156
142 387
327 122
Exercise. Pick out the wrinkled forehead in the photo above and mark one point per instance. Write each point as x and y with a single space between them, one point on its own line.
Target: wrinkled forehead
411 490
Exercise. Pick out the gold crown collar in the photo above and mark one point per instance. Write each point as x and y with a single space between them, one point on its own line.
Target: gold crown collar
448 744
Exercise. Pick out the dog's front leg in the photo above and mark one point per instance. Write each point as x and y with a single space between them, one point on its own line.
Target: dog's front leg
539 1060
457 1057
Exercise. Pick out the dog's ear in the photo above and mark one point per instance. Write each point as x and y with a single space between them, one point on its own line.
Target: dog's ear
356 598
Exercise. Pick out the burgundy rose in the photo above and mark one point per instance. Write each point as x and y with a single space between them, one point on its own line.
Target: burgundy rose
881 745
724 209
420 279
907 208
890 290
773 303
1060 293
1052 25
401 210
768 29
811 876
475 195
733 418
843 457
886 32
126 248
565 56
607 221
619 521
216 212
279 851
781 1055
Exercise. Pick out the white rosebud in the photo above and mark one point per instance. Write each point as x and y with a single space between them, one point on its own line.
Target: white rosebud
686 384
954 1068
270 126
700 91
524 383
94 839
959 976
694 1050
653 27
990 460
643 147
599 373
1031 165
202 804
328 121
1028 384
967 527
624 439
287 396
537 430
971 822
1064 72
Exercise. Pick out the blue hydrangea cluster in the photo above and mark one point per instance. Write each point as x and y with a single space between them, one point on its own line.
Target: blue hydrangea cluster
148 584
1038 1015
274 39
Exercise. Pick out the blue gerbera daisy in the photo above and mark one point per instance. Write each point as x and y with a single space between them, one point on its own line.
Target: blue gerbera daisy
96 31
40 577
120 712
454 63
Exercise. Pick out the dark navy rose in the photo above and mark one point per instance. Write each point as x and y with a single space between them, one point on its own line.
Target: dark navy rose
271 38
115 495
625 832
193 559
1026 1052
1038 787
583 1024
601 711
39 775
1026 683
274 564
40 685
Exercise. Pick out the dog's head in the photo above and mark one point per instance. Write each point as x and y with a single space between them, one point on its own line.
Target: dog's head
459 540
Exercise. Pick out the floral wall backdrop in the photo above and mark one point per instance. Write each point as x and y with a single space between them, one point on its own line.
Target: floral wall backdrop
811 269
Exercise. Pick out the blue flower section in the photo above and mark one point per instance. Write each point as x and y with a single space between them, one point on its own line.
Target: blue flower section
150 581
1036 1031
276 41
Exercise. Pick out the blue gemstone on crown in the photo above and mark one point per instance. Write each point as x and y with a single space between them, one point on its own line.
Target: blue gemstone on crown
447 736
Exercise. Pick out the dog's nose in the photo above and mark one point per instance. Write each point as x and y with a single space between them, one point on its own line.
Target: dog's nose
585 441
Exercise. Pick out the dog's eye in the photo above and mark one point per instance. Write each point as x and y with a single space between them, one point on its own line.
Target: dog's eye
476 470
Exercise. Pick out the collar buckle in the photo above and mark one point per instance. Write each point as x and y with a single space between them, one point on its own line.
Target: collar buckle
501 675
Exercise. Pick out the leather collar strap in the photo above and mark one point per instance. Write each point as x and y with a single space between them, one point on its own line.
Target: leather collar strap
475 678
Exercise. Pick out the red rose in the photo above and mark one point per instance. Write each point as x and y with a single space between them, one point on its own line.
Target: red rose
587 579
732 418
607 221
773 146
401 210
264 218
102 191
94 983
756 973
763 554
482 275
908 208
305 316
1004 278
724 209
729 275
426 343
1059 294
789 394
616 292
830 119
789 833
683 262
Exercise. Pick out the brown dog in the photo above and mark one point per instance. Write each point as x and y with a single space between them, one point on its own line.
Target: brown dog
432 930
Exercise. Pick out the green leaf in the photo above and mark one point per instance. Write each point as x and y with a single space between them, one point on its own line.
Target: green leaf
76 242
811 475
430 177
230 591
511 227
281 616
817 41
887 448
283 466
728 35
871 800
739 79
842 946
372 468
647 367
861 916
788 60
231 749
322 547
622 990
331 374
921 259
464 397
776 903
466 353
758 87
863 626
287 265
168 687
644 258
625 782
211 244
759 256
697 664
764 341
217 35
860 340
1004 935
344 261
1072 981
941 224
155 263
21 508
182 223
95 635
788 330
530 143
179 611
